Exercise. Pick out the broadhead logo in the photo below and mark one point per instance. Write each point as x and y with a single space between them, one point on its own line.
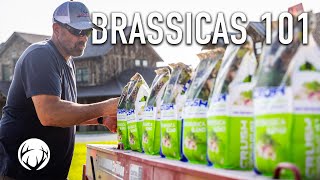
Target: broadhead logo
34 154
83 13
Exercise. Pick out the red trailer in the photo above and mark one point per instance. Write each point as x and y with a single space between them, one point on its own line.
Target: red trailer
107 162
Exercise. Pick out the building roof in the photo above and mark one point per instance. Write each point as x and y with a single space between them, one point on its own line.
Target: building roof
148 73
32 38
94 50
114 86
29 38
110 88
258 27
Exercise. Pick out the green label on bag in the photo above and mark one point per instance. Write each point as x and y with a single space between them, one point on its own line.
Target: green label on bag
195 131
306 145
272 141
123 133
148 129
246 140
151 136
230 142
306 127
122 129
216 139
240 132
171 138
134 129
195 140
273 127
170 132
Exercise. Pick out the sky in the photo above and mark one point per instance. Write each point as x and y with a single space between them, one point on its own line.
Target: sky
35 16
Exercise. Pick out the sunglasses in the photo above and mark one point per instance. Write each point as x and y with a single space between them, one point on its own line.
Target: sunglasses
76 32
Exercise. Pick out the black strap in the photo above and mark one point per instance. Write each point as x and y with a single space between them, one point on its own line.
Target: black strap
100 120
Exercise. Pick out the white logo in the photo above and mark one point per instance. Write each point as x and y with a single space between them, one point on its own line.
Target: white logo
34 154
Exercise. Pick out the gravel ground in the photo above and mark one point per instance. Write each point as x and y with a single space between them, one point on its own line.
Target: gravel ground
95 137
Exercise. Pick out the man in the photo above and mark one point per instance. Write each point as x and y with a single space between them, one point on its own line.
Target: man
42 104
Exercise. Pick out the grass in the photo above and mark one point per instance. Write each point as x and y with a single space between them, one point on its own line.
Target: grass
79 158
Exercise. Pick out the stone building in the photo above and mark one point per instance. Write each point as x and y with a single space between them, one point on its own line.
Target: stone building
101 72
316 33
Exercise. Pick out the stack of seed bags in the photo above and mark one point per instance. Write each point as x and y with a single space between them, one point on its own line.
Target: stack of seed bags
138 91
171 110
196 106
122 128
287 106
151 122
230 114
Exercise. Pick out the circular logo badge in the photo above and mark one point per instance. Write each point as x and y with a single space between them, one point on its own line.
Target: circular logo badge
34 154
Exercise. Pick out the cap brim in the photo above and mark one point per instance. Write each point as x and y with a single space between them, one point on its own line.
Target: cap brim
84 26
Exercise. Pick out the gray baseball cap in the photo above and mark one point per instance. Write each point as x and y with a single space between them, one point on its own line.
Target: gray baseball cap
75 14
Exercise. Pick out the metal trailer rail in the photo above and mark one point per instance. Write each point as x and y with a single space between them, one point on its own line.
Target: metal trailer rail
107 162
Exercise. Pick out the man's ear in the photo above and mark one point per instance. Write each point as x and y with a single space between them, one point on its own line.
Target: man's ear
56 28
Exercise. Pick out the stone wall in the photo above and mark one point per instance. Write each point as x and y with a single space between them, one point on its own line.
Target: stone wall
11 54
93 65
316 33
120 58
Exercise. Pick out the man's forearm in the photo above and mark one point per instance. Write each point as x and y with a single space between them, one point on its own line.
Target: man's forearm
66 113
90 122
52 111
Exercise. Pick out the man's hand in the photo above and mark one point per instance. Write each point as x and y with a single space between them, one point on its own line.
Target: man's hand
112 107
111 123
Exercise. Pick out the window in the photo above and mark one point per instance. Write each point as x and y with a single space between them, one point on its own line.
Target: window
6 72
258 47
137 62
82 75
144 63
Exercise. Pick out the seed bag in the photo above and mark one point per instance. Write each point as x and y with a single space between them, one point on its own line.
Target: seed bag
138 92
171 110
122 129
287 106
196 106
151 123
230 114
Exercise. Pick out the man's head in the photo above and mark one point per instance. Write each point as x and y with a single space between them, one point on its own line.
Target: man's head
71 27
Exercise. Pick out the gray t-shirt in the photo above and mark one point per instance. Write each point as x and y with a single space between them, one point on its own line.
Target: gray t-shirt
41 69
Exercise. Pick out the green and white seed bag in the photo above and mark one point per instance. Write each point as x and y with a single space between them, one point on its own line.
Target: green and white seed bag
230 114
287 107
196 106
151 117
138 92
171 111
122 128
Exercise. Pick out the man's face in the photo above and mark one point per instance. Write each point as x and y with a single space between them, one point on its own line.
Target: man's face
73 45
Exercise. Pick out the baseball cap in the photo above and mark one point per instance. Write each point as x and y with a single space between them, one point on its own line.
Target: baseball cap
74 14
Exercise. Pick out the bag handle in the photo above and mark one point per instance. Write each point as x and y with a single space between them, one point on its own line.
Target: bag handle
289 166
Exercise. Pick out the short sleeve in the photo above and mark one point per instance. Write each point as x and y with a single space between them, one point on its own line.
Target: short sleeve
40 73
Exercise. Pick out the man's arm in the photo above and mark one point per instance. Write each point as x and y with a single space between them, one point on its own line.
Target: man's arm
52 111
90 122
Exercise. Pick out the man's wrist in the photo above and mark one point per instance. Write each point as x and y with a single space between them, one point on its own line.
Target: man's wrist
100 120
